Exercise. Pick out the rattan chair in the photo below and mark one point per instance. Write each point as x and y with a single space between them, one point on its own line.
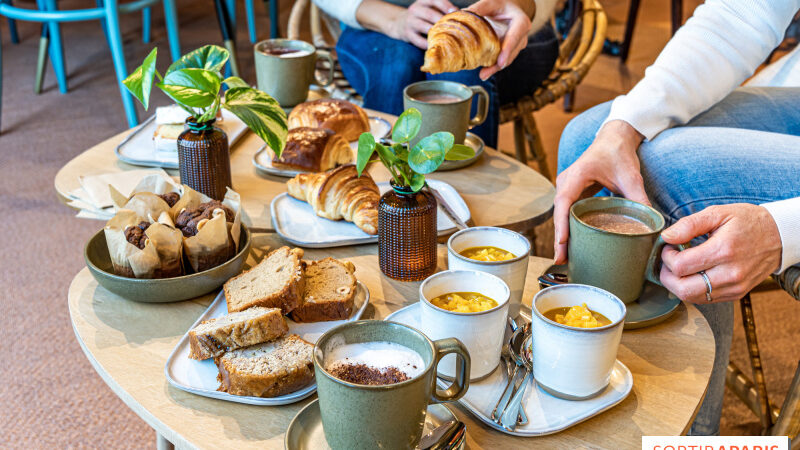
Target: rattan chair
340 88
576 54
784 421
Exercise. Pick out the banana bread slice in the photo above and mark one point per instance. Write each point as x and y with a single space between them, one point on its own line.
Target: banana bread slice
276 282
236 330
271 369
330 291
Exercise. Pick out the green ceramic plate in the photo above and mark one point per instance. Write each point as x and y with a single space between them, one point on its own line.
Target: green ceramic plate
162 290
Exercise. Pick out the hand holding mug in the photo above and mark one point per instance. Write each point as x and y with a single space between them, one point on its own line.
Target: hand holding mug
744 247
611 162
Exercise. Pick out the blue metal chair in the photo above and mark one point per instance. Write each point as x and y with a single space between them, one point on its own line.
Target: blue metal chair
108 12
249 8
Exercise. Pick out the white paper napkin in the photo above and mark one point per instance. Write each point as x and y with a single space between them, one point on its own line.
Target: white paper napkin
95 187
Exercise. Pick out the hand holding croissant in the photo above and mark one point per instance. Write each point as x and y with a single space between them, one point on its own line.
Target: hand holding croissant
516 16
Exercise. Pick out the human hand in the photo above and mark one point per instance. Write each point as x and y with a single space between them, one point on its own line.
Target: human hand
744 247
413 23
610 162
514 36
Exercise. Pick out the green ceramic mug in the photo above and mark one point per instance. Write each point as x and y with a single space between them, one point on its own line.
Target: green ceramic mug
445 106
616 262
357 416
285 68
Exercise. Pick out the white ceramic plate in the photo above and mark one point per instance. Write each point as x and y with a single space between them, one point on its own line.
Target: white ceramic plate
296 222
546 414
137 148
200 377
263 157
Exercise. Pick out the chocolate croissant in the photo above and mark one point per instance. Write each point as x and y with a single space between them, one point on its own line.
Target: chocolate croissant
461 40
340 194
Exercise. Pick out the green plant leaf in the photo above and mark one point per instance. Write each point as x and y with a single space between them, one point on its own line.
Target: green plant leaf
233 82
197 88
261 113
386 155
400 151
366 147
429 152
140 82
407 126
459 152
417 181
209 57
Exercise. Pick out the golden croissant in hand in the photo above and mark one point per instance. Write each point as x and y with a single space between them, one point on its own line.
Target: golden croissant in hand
461 40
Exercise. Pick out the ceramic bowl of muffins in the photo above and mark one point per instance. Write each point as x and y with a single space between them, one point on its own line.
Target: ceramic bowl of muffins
168 246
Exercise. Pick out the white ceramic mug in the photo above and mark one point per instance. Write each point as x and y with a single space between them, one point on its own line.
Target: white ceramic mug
481 332
569 362
513 271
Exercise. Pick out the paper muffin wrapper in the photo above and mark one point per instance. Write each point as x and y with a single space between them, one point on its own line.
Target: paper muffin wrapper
161 256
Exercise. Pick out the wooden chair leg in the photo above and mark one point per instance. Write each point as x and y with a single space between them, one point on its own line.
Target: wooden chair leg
788 422
677 15
535 144
765 410
519 141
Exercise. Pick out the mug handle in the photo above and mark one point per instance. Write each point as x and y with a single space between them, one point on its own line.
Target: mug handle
460 385
653 270
483 106
324 54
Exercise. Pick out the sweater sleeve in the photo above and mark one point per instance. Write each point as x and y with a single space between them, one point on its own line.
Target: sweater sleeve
713 53
342 10
786 214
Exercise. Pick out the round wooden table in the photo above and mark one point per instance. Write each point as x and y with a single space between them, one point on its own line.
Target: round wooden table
128 344
499 190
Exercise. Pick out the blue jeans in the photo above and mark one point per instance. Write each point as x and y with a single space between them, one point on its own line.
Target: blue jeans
379 68
745 149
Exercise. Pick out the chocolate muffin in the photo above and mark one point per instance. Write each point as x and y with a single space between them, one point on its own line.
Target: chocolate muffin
171 198
188 219
135 234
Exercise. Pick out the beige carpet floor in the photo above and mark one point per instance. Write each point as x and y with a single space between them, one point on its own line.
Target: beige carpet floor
50 396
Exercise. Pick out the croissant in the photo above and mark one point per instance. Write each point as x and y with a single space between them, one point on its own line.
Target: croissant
340 194
461 40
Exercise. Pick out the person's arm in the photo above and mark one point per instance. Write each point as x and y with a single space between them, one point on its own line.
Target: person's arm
342 10
786 214
718 48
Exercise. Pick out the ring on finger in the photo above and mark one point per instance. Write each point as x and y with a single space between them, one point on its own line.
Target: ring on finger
709 289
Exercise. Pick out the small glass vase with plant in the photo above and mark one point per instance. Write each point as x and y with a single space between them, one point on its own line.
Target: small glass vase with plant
407 213
195 83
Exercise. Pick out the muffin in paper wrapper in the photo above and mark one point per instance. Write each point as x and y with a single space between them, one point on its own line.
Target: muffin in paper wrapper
216 239
147 199
161 256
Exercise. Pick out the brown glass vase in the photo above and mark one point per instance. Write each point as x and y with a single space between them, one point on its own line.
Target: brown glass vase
204 159
407 234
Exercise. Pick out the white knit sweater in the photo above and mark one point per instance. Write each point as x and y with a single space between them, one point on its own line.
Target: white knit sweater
712 54
345 11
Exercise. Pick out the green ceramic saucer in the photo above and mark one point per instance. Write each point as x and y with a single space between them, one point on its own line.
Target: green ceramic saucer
161 290
654 305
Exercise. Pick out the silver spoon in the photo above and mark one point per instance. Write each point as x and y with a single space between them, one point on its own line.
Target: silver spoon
509 390
521 346
506 356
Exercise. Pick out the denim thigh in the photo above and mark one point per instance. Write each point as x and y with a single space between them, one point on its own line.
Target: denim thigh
379 67
744 149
